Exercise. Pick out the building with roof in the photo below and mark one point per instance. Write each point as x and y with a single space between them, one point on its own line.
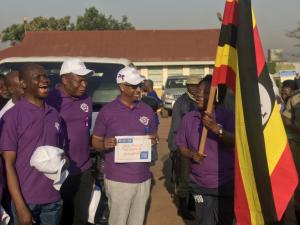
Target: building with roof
156 53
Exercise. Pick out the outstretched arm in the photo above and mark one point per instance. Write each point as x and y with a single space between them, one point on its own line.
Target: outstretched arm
23 213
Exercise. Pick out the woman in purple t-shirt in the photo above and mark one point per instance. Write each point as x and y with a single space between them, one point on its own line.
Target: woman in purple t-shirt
211 175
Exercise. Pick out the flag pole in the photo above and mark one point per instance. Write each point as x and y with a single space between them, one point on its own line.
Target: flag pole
210 107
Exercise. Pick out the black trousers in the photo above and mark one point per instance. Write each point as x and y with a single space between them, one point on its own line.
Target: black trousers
76 194
214 206
183 169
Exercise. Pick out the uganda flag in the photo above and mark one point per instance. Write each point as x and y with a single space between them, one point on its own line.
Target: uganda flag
265 174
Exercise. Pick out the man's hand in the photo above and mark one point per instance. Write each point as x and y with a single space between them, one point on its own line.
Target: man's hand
103 143
210 122
154 139
25 217
67 163
109 142
197 157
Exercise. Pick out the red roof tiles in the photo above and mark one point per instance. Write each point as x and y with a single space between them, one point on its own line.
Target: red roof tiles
136 45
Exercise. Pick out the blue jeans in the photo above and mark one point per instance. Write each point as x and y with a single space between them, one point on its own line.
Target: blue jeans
46 214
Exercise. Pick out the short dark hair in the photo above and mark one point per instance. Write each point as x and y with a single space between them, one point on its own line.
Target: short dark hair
222 89
289 84
207 78
149 82
25 68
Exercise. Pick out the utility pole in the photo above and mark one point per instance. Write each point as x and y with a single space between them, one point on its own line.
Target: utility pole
25 23
220 17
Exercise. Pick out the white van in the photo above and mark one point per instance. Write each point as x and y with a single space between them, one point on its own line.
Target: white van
101 86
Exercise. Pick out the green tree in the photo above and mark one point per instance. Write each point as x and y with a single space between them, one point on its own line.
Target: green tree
44 24
16 32
295 34
13 33
93 20
271 67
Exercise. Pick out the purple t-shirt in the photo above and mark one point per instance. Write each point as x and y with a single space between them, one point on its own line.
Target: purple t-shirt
26 127
218 167
1 179
76 114
117 119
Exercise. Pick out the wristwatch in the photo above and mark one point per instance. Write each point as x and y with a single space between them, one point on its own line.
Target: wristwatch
220 132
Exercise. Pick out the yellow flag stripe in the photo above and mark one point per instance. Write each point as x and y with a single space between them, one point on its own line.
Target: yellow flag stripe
226 55
253 19
245 162
275 139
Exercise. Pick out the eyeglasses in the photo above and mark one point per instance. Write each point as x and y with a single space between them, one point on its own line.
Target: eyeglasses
134 86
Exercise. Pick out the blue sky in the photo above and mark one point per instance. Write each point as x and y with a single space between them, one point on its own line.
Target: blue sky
274 17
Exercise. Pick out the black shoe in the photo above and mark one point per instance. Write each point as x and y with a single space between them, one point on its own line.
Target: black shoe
297 214
191 204
186 215
183 210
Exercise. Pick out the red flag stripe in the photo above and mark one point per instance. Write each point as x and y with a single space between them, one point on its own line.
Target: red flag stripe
224 75
283 191
260 58
230 13
241 207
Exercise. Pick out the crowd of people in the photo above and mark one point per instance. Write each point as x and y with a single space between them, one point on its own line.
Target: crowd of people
34 117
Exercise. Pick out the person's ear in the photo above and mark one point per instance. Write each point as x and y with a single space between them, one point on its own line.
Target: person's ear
23 84
64 79
122 88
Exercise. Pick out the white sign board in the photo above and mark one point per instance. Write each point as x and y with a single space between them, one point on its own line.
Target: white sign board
287 75
133 149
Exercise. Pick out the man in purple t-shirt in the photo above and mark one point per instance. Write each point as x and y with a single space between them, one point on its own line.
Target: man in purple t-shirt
1 180
211 175
127 185
75 108
29 124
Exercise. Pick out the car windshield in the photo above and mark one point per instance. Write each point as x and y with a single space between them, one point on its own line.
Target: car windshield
101 86
176 83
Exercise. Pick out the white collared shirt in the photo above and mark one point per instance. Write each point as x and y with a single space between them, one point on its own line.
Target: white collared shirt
7 106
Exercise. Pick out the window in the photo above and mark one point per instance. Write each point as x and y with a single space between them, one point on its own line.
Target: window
156 75
197 70
211 70
174 70
176 83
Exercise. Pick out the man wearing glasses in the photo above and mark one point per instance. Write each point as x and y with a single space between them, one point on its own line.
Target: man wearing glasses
75 107
127 185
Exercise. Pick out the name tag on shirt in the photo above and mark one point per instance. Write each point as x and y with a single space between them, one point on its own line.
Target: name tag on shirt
133 149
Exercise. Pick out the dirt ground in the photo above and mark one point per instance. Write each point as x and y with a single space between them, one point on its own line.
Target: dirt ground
162 207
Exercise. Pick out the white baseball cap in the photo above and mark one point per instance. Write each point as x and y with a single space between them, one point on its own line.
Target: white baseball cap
129 75
49 160
74 65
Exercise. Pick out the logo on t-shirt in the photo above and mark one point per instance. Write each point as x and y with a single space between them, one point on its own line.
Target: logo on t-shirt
56 124
84 107
144 120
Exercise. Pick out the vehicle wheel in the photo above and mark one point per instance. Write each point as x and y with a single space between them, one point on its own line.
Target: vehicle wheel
164 113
